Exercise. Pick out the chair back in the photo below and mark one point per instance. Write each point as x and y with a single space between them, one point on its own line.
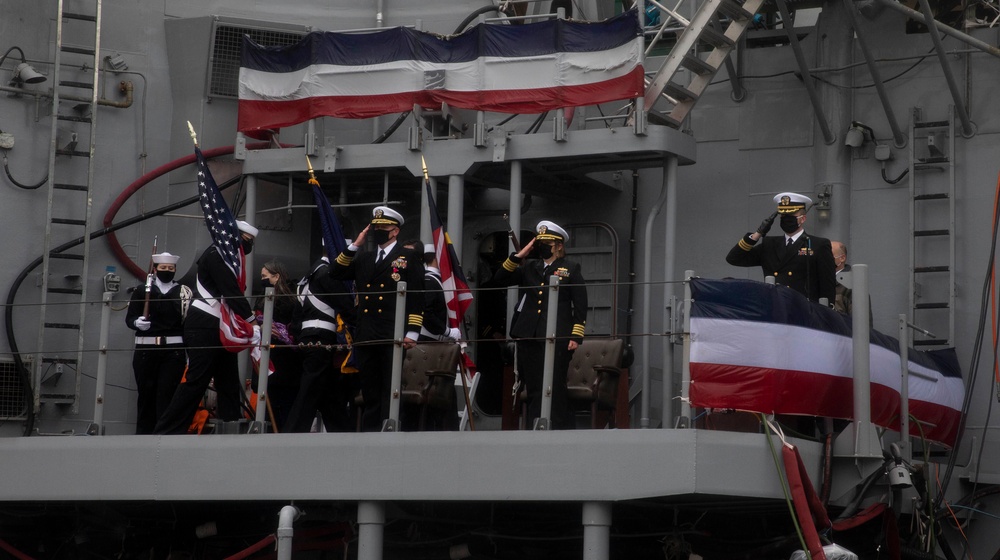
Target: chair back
426 357
582 377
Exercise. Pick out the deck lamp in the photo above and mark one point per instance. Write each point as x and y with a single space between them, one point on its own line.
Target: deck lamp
23 73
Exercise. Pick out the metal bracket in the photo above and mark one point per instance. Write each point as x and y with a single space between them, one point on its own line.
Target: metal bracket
330 153
499 148
240 152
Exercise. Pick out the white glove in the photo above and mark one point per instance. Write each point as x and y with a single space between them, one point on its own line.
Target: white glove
143 324
454 334
255 339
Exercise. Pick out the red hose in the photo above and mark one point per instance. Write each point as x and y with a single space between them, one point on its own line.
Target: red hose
13 551
807 503
266 541
116 247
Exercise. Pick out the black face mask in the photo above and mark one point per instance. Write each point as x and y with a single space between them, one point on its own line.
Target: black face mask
266 282
380 236
789 223
544 251
165 276
247 245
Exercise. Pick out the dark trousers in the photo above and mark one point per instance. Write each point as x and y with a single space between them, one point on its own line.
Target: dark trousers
206 360
321 388
375 365
158 371
531 365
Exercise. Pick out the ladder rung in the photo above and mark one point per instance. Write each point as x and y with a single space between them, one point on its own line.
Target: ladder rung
931 232
80 85
927 160
73 118
656 117
930 342
716 38
734 10
68 187
932 305
69 221
931 124
921 269
77 50
66 256
679 92
73 291
932 196
81 17
73 153
72 326
67 361
55 398
697 65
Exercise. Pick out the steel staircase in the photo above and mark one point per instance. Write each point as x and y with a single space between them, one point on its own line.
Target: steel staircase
703 31
932 228
68 209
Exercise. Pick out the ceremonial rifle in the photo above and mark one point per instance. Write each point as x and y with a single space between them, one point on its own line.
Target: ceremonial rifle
149 280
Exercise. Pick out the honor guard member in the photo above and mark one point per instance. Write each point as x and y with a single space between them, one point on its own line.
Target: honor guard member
375 274
207 358
798 260
158 360
327 309
435 316
528 326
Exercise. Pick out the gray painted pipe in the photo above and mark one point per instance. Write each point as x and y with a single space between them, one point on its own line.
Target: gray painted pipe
596 530
862 363
102 367
944 28
286 518
669 262
392 424
544 422
647 278
456 211
371 526
949 76
904 387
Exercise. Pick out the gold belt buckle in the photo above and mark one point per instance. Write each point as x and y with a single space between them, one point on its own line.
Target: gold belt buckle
158 340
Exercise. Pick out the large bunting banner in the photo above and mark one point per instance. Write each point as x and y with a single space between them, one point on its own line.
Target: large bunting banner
764 348
529 68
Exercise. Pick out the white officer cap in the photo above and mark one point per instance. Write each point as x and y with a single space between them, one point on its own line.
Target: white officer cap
246 228
387 216
789 202
550 230
165 258
429 248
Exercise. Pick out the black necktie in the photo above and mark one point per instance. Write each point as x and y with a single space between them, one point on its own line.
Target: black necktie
381 255
790 241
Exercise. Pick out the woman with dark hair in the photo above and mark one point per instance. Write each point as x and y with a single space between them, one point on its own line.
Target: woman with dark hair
283 384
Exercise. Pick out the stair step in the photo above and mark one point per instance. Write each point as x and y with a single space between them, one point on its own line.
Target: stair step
80 85
73 153
679 92
930 342
66 256
932 196
67 361
78 50
716 38
55 398
734 10
927 160
921 269
697 65
663 119
68 187
931 124
932 305
72 291
68 326
81 17
73 118
69 221
931 232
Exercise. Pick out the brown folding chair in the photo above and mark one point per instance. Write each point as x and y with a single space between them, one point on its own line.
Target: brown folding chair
428 381
592 379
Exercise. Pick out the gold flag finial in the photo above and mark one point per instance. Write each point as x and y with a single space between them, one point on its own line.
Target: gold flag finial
312 175
423 164
194 135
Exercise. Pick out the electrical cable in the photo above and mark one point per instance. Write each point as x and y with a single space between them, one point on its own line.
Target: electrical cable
475 13
16 182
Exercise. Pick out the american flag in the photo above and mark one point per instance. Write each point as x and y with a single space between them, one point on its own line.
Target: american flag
456 289
219 220
235 332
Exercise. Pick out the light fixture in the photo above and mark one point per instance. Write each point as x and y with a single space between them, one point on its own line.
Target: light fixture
823 202
116 62
855 137
23 73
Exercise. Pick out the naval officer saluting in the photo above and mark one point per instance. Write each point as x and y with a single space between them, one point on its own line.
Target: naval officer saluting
375 274
798 260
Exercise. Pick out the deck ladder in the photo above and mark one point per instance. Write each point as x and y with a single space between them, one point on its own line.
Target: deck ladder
68 210
932 228
678 91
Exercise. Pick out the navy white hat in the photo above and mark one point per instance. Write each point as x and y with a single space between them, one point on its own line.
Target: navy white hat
550 230
246 228
386 216
429 248
165 258
789 202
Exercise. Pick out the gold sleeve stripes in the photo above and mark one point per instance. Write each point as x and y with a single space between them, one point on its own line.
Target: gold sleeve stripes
745 243
578 330
415 319
344 260
509 265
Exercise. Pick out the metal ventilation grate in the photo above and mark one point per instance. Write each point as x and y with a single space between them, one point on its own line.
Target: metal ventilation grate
13 401
227 39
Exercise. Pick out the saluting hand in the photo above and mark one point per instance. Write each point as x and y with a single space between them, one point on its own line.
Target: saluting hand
359 241
526 249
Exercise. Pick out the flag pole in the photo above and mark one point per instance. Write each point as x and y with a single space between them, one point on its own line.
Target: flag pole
194 135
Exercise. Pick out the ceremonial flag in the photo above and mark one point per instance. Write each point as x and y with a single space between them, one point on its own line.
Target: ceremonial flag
456 289
529 68
235 332
768 349
329 225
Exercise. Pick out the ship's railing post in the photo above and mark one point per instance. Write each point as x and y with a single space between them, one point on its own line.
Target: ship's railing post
863 444
97 427
371 525
684 420
670 320
596 530
392 423
545 420
265 362
904 387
